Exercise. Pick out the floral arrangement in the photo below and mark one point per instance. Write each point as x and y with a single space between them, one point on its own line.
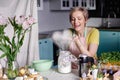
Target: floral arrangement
10 46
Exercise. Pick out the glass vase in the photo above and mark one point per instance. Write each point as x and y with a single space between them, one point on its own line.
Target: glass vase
11 69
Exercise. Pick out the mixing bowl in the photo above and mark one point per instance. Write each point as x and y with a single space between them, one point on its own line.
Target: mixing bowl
42 65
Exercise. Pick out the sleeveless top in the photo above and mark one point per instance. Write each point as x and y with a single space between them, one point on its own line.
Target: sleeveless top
92 37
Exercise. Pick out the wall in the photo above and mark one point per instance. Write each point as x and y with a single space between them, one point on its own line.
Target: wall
58 20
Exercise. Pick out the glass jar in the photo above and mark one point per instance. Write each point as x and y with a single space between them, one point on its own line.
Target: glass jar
64 62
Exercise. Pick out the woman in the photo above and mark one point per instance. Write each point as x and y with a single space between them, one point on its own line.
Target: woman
80 39
85 40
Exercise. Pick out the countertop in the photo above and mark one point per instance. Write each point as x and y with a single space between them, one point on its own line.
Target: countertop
53 74
109 28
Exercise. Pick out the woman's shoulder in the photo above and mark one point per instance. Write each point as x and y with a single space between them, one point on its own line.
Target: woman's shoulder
92 29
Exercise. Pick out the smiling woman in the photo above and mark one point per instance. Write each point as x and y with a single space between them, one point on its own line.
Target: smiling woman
82 40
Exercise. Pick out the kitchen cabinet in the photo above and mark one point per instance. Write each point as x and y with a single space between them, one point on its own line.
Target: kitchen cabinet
46 48
111 8
68 4
119 42
109 41
40 4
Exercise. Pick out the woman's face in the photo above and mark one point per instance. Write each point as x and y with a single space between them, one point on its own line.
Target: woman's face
78 21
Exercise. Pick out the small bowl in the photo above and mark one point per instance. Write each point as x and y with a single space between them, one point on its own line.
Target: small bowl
42 65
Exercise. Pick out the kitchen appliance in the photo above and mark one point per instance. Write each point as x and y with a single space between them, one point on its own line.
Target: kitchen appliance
85 62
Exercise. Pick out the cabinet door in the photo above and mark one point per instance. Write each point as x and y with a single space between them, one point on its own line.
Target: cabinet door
65 4
68 4
88 4
108 41
46 49
75 3
119 41
60 4
40 4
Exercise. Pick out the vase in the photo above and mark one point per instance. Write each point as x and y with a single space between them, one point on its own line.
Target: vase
11 69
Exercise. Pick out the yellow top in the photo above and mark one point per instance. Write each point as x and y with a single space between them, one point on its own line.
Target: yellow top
93 36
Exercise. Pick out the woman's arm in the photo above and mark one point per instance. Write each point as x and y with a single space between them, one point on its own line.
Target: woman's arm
91 48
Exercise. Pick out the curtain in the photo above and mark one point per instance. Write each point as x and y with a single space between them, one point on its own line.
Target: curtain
30 49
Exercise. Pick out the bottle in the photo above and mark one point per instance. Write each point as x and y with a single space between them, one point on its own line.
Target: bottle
85 62
64 62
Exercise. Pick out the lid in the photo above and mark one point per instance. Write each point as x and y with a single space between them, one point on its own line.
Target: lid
83 55
83 58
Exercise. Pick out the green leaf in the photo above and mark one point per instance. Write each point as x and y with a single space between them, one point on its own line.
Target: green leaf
3 55
3 48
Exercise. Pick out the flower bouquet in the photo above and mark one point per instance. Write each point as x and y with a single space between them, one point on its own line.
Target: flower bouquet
10 46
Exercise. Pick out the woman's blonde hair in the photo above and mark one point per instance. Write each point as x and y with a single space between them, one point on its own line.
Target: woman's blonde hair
83 10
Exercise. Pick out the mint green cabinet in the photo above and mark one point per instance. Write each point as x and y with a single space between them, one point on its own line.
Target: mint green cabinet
46 48
119 41
109 41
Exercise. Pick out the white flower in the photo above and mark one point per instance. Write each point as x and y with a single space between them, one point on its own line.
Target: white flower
31 20
25 25
20 19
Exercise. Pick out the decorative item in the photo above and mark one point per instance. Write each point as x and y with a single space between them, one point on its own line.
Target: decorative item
106 76
100 76
10 46
94 73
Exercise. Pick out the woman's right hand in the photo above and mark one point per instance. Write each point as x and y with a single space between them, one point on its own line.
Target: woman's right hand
74 65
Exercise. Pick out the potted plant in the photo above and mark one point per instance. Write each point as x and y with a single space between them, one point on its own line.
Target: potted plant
10 46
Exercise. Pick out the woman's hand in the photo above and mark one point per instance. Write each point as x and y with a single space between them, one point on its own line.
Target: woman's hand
74 65
80 41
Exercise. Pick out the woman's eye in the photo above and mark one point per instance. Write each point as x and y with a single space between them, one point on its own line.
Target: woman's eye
79 18
72 19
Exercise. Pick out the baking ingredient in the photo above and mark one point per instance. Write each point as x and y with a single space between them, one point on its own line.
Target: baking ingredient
64 63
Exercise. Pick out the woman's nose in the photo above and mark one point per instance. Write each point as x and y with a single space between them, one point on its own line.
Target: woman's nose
76 20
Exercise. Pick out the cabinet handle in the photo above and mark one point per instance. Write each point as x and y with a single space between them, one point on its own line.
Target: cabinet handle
114 34
40 42
45 41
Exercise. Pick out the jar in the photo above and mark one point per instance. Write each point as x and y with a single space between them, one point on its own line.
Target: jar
64 62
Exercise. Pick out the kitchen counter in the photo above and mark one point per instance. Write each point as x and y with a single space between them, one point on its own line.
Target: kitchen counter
53 74
109 28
